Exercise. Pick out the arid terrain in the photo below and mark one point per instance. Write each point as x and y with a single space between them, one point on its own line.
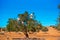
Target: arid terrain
52 34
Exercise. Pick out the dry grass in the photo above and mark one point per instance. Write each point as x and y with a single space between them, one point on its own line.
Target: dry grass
52 34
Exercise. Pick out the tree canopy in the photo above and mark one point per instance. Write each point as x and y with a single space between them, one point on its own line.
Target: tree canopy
25 23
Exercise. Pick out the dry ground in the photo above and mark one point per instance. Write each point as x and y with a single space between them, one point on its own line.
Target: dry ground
52 34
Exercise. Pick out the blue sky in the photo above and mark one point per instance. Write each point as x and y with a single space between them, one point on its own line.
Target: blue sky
46 11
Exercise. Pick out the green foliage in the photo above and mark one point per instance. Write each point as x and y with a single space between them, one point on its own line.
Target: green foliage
58 20
23 17
11 26
58 27
59 6
44 29
39 27
29 23
25 23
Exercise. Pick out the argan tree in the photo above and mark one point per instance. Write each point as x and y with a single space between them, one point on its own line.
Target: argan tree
25 23
39 27
44 29
11 26
58 20
28 22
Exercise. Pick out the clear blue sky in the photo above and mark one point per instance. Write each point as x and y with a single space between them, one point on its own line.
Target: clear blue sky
46 11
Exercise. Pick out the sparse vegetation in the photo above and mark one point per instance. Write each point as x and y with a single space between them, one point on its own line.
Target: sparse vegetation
44 29
58 19
26 23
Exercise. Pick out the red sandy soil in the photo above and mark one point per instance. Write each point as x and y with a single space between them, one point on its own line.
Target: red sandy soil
52 34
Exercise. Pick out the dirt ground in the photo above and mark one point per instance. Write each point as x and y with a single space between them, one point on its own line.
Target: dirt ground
52 34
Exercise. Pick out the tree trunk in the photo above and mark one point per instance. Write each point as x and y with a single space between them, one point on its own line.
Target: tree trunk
26 32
